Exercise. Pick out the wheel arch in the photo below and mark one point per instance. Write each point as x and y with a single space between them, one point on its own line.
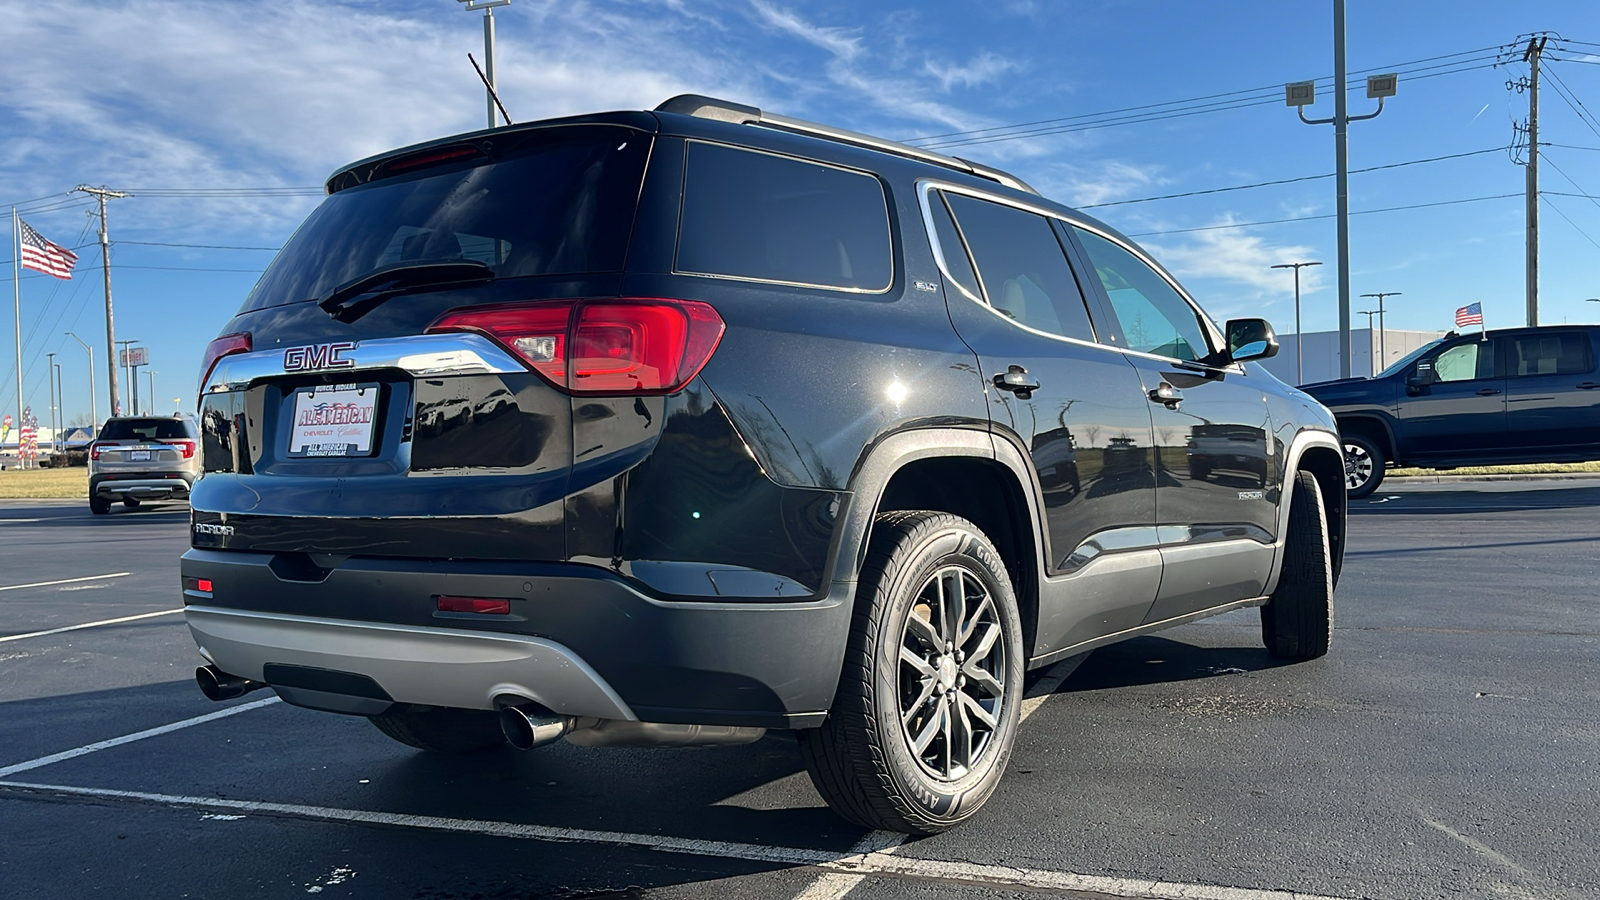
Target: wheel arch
1374 428
959 471
1320 453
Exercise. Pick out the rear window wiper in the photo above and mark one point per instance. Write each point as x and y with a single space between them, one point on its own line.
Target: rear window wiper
355 298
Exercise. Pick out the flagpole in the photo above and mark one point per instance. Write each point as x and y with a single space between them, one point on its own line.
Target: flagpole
16 300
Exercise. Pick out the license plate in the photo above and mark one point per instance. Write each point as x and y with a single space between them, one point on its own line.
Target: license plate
334 420
138 456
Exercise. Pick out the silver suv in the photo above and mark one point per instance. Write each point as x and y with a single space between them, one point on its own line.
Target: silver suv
140 458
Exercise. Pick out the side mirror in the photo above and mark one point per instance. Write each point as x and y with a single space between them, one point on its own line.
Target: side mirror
1250 339
1422 377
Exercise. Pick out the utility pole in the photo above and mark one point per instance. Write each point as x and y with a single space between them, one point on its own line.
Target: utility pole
151 397
61 416
1531 57
1302 94
102 195
1299 342
1383 349
94 412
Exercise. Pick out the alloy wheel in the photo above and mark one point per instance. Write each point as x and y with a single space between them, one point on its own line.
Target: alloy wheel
951 661
1357 466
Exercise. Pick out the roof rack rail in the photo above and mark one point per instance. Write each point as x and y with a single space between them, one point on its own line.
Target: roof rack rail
737 113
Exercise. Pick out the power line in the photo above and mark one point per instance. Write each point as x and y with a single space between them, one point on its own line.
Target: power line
194 246
1563 174
1242 187
1565 92
1570 222
1359 212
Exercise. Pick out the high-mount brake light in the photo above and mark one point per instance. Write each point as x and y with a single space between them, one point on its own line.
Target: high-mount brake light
601 347
227 345
428 158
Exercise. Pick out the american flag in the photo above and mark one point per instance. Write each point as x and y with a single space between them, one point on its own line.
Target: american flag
1470 315
45 256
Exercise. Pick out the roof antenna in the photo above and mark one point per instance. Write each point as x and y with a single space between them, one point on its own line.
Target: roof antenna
505 115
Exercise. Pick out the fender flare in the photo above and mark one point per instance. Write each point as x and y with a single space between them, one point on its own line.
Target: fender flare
1303 440
1383 421
894 452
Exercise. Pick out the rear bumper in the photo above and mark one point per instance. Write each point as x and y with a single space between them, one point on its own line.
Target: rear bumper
138 488
580 640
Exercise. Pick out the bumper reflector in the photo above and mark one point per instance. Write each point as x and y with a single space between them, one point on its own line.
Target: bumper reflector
486 605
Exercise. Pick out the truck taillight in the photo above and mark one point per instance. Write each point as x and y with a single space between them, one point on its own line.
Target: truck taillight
612 347
227 345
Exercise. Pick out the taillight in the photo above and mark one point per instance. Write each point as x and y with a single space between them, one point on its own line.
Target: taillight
186 447
629 346
227 345
94 450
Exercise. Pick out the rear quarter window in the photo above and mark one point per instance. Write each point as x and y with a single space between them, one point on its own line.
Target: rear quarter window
764 217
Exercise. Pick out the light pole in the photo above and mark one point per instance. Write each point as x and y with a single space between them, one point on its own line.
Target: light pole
488 44
1369 313
128 370
1301 94
50 376
61 405
151 374
1299 344
1383 349
94 412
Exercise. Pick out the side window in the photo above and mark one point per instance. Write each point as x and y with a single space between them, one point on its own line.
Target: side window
772 218
1464 362
1022 268
952 248
1565 353
1154 317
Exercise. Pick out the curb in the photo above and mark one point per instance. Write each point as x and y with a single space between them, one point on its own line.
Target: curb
1452 479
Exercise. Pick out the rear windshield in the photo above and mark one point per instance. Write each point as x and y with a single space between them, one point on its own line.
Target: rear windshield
146 430
561 203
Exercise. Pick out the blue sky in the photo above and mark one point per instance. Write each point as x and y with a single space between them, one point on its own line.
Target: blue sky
210 114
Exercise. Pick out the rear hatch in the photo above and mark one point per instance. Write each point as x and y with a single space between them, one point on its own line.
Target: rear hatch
138 446
343 411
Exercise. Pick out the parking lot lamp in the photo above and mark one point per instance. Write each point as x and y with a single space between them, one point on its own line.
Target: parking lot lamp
1299 345
94 413
488 43
151 374
1383 352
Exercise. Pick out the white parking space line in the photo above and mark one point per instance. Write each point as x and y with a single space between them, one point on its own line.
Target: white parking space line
835 885
34 634
18 587
136 736
881 863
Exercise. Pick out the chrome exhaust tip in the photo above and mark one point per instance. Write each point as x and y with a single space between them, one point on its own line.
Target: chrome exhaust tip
218 685
530 725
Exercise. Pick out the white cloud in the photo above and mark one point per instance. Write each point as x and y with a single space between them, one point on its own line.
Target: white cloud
1242 262
984 68
845 43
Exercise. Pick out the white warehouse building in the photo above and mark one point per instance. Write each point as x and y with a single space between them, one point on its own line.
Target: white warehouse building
1371 350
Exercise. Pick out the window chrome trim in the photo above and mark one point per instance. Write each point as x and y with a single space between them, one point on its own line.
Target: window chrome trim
883 194
448 353
925 187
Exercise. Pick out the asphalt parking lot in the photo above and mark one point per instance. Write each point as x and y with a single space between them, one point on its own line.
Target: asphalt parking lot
1447 748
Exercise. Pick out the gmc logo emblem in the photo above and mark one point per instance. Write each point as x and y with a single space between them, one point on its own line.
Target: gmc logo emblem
318 356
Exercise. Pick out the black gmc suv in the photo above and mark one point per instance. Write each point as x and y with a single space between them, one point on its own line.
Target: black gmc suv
1517 395
673 427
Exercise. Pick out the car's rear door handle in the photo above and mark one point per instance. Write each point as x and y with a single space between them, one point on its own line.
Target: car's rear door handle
1166 395
1017 380
1488 392
1588 385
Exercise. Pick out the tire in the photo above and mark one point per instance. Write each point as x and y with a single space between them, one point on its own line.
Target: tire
1363 465
1297 623
444 730
99 506
864 759
130 502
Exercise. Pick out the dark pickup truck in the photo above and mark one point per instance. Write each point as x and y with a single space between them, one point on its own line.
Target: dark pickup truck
1518 395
